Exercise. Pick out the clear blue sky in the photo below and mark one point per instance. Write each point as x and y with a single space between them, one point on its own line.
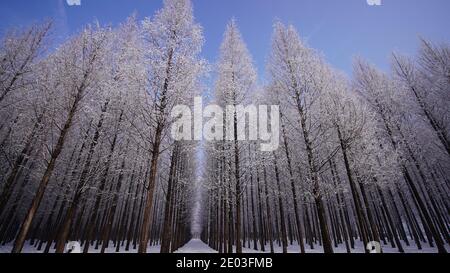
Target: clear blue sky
340 29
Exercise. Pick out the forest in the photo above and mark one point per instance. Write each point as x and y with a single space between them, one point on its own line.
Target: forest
86 152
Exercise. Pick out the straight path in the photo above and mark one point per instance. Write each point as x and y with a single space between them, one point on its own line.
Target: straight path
196 246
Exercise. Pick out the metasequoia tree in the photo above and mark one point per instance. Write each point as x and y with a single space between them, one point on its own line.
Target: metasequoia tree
235 79
18 53
87 155
301 77
377 90
172 44
78 60
358 160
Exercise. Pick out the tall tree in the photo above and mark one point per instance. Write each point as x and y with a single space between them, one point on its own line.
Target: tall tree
301 77
173 42
236 78
80 61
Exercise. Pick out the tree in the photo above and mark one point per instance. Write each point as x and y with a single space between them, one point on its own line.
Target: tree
301 77
18 53
376 89
172 44
78 60
236 77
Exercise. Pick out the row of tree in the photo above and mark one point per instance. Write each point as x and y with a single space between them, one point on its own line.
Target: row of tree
361 159
85 153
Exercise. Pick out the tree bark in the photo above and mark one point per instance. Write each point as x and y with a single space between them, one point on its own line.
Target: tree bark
20 240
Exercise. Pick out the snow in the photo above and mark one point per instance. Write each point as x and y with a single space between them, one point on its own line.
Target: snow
359 248
198 246
111 249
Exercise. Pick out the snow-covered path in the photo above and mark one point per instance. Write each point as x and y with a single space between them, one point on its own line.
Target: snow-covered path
196 246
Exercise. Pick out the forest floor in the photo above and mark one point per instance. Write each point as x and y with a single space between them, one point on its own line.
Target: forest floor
197 246
359 248
111 249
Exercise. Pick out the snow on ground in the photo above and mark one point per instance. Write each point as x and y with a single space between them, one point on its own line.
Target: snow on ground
197 246
111 249
359 248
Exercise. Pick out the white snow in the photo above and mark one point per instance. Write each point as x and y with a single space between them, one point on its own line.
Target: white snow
111 249
359 248
197 246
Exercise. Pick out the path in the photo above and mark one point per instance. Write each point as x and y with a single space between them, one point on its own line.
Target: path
196 246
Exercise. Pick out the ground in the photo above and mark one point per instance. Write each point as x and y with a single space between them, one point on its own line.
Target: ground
197 246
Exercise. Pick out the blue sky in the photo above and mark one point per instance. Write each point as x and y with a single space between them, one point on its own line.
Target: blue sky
340 29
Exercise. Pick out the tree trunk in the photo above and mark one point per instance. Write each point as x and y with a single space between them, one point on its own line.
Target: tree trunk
9 183
280 206
20 239
293 189
269 218
145 231
167 226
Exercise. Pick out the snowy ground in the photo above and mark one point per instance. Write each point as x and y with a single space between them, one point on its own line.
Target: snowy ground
111 249
197 246
295 248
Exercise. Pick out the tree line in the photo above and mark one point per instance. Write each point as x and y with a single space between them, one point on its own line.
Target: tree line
85 152
362 158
